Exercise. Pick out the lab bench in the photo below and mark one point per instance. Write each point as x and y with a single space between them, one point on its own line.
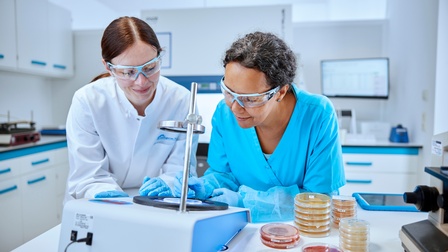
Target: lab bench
32 185
384 227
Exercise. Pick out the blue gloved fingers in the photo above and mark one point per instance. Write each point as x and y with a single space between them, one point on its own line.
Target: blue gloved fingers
111 194
217 192
230 197
159 189
146 179
155 187
146 187
177 186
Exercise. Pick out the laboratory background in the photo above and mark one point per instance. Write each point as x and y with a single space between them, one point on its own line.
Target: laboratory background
62 38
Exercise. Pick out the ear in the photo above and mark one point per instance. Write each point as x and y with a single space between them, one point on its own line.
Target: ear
105 65
282 92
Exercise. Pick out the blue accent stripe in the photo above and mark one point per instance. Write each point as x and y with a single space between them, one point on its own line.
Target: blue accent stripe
380 150
59 66
31 150
40 162
12 188
33 181
36 62
358 181
359 163
5 170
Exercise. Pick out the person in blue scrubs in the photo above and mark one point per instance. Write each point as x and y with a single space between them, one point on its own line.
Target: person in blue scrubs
270 140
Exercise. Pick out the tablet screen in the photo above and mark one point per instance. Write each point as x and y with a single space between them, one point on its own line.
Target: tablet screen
383 201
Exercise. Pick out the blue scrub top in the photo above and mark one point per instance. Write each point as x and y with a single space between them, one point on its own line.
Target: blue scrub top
307 158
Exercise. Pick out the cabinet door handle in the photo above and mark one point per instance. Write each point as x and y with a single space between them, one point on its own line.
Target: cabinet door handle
2 56
33 181
12 188
59 66
359 181
359 163
40 161
36 62
5 170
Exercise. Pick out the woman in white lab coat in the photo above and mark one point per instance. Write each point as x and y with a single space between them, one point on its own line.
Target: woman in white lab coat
112 134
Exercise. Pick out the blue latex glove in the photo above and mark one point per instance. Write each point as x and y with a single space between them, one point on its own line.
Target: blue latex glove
155 187
198 187
111 194
228 196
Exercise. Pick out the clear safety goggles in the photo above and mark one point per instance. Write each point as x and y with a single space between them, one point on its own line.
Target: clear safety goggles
247 100
130 73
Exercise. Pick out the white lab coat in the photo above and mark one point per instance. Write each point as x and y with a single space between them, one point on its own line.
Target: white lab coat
111 147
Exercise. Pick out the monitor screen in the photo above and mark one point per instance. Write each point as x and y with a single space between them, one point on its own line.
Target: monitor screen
355 78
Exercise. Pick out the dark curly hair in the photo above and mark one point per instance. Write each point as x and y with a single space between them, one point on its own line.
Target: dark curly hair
267 53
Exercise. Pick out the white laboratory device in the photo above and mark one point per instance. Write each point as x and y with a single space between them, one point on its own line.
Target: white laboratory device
430 235
121 225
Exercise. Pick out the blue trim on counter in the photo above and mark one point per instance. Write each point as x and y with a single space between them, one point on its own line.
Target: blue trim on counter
31 150
381 150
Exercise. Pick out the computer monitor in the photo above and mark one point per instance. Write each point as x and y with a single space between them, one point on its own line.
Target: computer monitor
355 78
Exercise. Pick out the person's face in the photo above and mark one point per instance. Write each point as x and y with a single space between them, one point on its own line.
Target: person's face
242 80
140 91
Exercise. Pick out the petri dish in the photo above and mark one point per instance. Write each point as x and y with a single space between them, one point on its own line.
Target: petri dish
277 245
320 247
312 200
279 233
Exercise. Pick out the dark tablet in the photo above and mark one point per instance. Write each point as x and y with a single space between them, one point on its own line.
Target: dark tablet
383 202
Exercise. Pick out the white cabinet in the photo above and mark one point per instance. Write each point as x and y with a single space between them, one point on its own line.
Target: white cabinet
32 185
60 42
44 43
32 36
11 227
8 48
380 169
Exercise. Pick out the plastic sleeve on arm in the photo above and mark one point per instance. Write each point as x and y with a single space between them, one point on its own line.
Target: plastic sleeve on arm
275 204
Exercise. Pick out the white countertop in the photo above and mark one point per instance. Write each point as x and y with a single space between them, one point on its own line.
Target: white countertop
384 229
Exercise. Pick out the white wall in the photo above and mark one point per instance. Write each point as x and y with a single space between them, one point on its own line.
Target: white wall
201 36
412 43
441 89
23 95
87 50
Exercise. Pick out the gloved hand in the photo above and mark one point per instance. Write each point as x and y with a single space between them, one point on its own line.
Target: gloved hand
230 197
111 194
201 188
155 187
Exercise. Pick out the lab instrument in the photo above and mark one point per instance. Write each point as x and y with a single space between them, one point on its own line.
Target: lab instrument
431 234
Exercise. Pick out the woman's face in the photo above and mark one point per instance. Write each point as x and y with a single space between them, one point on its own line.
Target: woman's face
242 80
140 92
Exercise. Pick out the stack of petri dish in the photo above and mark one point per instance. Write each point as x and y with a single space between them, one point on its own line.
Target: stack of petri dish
279 235
342 207
312 214
354 235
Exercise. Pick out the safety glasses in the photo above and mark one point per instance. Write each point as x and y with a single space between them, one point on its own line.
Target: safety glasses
130 73
248 100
